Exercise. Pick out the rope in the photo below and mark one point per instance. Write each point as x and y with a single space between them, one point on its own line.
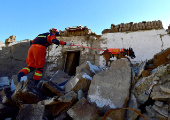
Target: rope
88 47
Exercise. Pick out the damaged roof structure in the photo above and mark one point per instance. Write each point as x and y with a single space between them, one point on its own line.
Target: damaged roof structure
76 84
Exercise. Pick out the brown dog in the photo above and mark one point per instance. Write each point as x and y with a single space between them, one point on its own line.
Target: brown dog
118 53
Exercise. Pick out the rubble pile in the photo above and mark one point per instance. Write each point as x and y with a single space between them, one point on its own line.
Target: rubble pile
56 99
151 86
78 31
9 40
125 27
92 92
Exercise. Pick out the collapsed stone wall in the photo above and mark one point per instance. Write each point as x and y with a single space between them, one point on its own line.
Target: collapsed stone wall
143 44
9 40
56 58
76 31
13 57
127 27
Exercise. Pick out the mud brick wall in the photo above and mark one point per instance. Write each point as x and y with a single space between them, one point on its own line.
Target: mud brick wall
144 43
127 27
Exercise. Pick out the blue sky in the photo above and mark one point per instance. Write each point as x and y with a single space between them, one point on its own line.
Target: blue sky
27 19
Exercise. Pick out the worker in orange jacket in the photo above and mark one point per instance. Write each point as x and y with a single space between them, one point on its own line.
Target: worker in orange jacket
37 53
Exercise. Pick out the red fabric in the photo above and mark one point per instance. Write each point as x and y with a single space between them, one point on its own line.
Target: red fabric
25 70
50 38
37 77
116 50
61 42
36 56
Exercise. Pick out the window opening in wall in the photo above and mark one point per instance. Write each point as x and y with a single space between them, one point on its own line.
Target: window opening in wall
71 62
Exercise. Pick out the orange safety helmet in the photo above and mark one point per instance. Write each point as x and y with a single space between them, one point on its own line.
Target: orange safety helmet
55 30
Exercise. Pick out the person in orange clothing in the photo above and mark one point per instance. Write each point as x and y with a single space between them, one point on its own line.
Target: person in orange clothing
37 53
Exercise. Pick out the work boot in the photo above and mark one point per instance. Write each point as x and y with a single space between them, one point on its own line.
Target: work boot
15 79
36 82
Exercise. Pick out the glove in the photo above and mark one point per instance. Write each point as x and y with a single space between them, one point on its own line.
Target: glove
68 43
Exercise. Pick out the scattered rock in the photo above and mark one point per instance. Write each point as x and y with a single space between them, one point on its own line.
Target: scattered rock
131 115
11 39
31 112
59 75
141 68
27 93
80 82
83 110
87 68
111 82
159 59
51 89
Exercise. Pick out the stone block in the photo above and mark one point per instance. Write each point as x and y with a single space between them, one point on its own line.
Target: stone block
149 27
50 101
31 112
158 94
160 110
106 95
83 110
63 116
150 111
154 23
5 96
59 74
93 69
132 103
140 28
153 27
141 68
165 87
156 27
117 26
143 28
80 82
51 89
148 24
66 102
27 93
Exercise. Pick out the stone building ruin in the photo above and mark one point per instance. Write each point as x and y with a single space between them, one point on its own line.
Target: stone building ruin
129 27
76 84
11 39
62 58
